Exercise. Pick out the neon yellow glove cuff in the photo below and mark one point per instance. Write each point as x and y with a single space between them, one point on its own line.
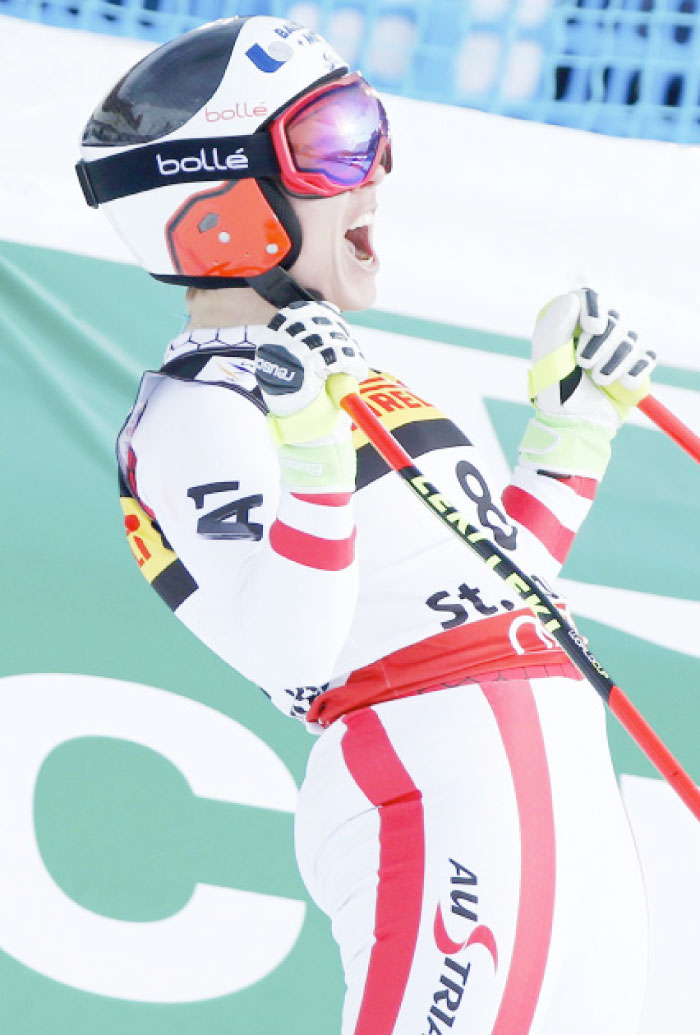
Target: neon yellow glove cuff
566 446
317 420
319 468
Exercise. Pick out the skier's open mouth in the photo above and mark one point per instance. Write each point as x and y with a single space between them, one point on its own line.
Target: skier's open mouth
359 238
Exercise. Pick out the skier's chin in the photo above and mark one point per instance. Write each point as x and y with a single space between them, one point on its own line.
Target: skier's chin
356 295
357 281
351 285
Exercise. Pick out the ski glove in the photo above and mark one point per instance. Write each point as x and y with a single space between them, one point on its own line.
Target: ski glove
301 347
304 344
588 372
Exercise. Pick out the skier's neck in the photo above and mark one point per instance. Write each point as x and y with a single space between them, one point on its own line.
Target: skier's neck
226 307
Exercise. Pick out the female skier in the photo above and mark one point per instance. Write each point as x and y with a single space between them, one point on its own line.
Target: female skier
460 821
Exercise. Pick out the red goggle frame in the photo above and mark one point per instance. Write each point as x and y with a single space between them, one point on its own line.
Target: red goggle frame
332 139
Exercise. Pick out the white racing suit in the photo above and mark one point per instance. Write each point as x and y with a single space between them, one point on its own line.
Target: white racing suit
460 821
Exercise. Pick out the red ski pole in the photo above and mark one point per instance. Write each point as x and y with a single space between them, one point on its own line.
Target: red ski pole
671 425
344 391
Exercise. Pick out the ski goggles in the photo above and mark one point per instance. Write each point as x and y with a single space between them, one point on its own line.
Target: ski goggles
332 139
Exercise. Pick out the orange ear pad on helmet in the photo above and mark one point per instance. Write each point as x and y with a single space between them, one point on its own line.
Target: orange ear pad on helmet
238 230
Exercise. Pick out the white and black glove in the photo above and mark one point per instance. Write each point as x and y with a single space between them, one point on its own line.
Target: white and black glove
575 333
588 371
303 345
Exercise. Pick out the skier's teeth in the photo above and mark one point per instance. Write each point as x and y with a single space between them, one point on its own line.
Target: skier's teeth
366 220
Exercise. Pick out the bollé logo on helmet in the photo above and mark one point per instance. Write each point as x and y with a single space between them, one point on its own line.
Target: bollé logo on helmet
208 160
239 110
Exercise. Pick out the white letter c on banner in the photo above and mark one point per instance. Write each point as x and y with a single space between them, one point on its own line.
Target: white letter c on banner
223 940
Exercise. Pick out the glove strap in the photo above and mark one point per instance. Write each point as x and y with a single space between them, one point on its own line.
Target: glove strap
552 368
566 446
624 400
559 364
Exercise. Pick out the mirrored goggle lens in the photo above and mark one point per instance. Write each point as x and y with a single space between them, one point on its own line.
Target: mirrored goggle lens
339 134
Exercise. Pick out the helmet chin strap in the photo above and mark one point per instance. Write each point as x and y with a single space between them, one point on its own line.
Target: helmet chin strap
279 288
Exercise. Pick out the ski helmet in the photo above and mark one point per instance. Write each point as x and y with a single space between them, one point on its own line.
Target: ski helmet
194 152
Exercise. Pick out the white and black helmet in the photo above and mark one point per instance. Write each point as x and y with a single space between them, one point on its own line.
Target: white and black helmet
179 157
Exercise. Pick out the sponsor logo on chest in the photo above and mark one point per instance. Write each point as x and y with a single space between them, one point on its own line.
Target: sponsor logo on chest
394 404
